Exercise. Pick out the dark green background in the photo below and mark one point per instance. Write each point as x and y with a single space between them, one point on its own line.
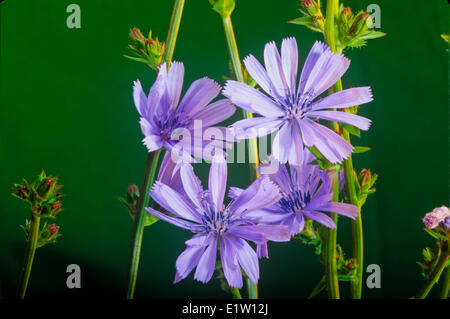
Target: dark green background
66 106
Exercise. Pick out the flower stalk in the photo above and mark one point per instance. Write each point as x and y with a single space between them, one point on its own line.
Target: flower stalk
29 254
151 165
237 69
433 278
331 237
252 145
138 231
446 285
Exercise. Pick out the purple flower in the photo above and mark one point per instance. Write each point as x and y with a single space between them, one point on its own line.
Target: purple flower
435 217
203 212
306 192
164 118
293 110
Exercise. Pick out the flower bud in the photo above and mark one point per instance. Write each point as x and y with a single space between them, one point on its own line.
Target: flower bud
346 13
361 24
46 187
147 50
136 35
21 191
53 229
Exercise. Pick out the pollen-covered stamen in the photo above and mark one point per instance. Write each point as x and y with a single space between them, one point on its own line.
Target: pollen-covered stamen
296 108
295 201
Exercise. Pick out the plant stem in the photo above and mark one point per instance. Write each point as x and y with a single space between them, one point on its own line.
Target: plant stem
236 293
174 26
151 165
29 254
252 143
149 177
252 289
332 279
446 284
436 273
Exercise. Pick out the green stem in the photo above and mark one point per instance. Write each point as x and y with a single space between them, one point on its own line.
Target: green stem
149 177
433 278
332 278
29 254
252 289
446 284
252 143
236 293
151 164
237 69
174 26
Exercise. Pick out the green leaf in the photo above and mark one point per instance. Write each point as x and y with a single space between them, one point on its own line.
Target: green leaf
352 129
318 289
149 219
361 149
307 22
372 35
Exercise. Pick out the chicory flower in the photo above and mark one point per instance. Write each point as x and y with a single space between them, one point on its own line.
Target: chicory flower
168 123
294 109
216 224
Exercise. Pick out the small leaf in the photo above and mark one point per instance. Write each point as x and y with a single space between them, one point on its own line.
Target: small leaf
372 35
361 149
149 219
352 129
307 22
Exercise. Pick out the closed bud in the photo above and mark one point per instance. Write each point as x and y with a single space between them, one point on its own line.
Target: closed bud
364 177
361 24
46 187
136 35
346 13
21 191
53 229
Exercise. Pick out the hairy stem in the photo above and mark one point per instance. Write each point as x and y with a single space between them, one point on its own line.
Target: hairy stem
252 143
29 254
433 278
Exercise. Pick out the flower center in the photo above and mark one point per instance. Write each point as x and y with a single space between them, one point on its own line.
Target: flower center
295 201
172 122
213 221
297 107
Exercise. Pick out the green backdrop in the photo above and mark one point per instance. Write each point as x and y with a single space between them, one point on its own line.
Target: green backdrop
66 106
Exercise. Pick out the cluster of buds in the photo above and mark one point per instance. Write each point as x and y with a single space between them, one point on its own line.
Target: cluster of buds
312 17
42 195
346 267
147 50
131 203
353 30
364 185
47 234
431 258
44 198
